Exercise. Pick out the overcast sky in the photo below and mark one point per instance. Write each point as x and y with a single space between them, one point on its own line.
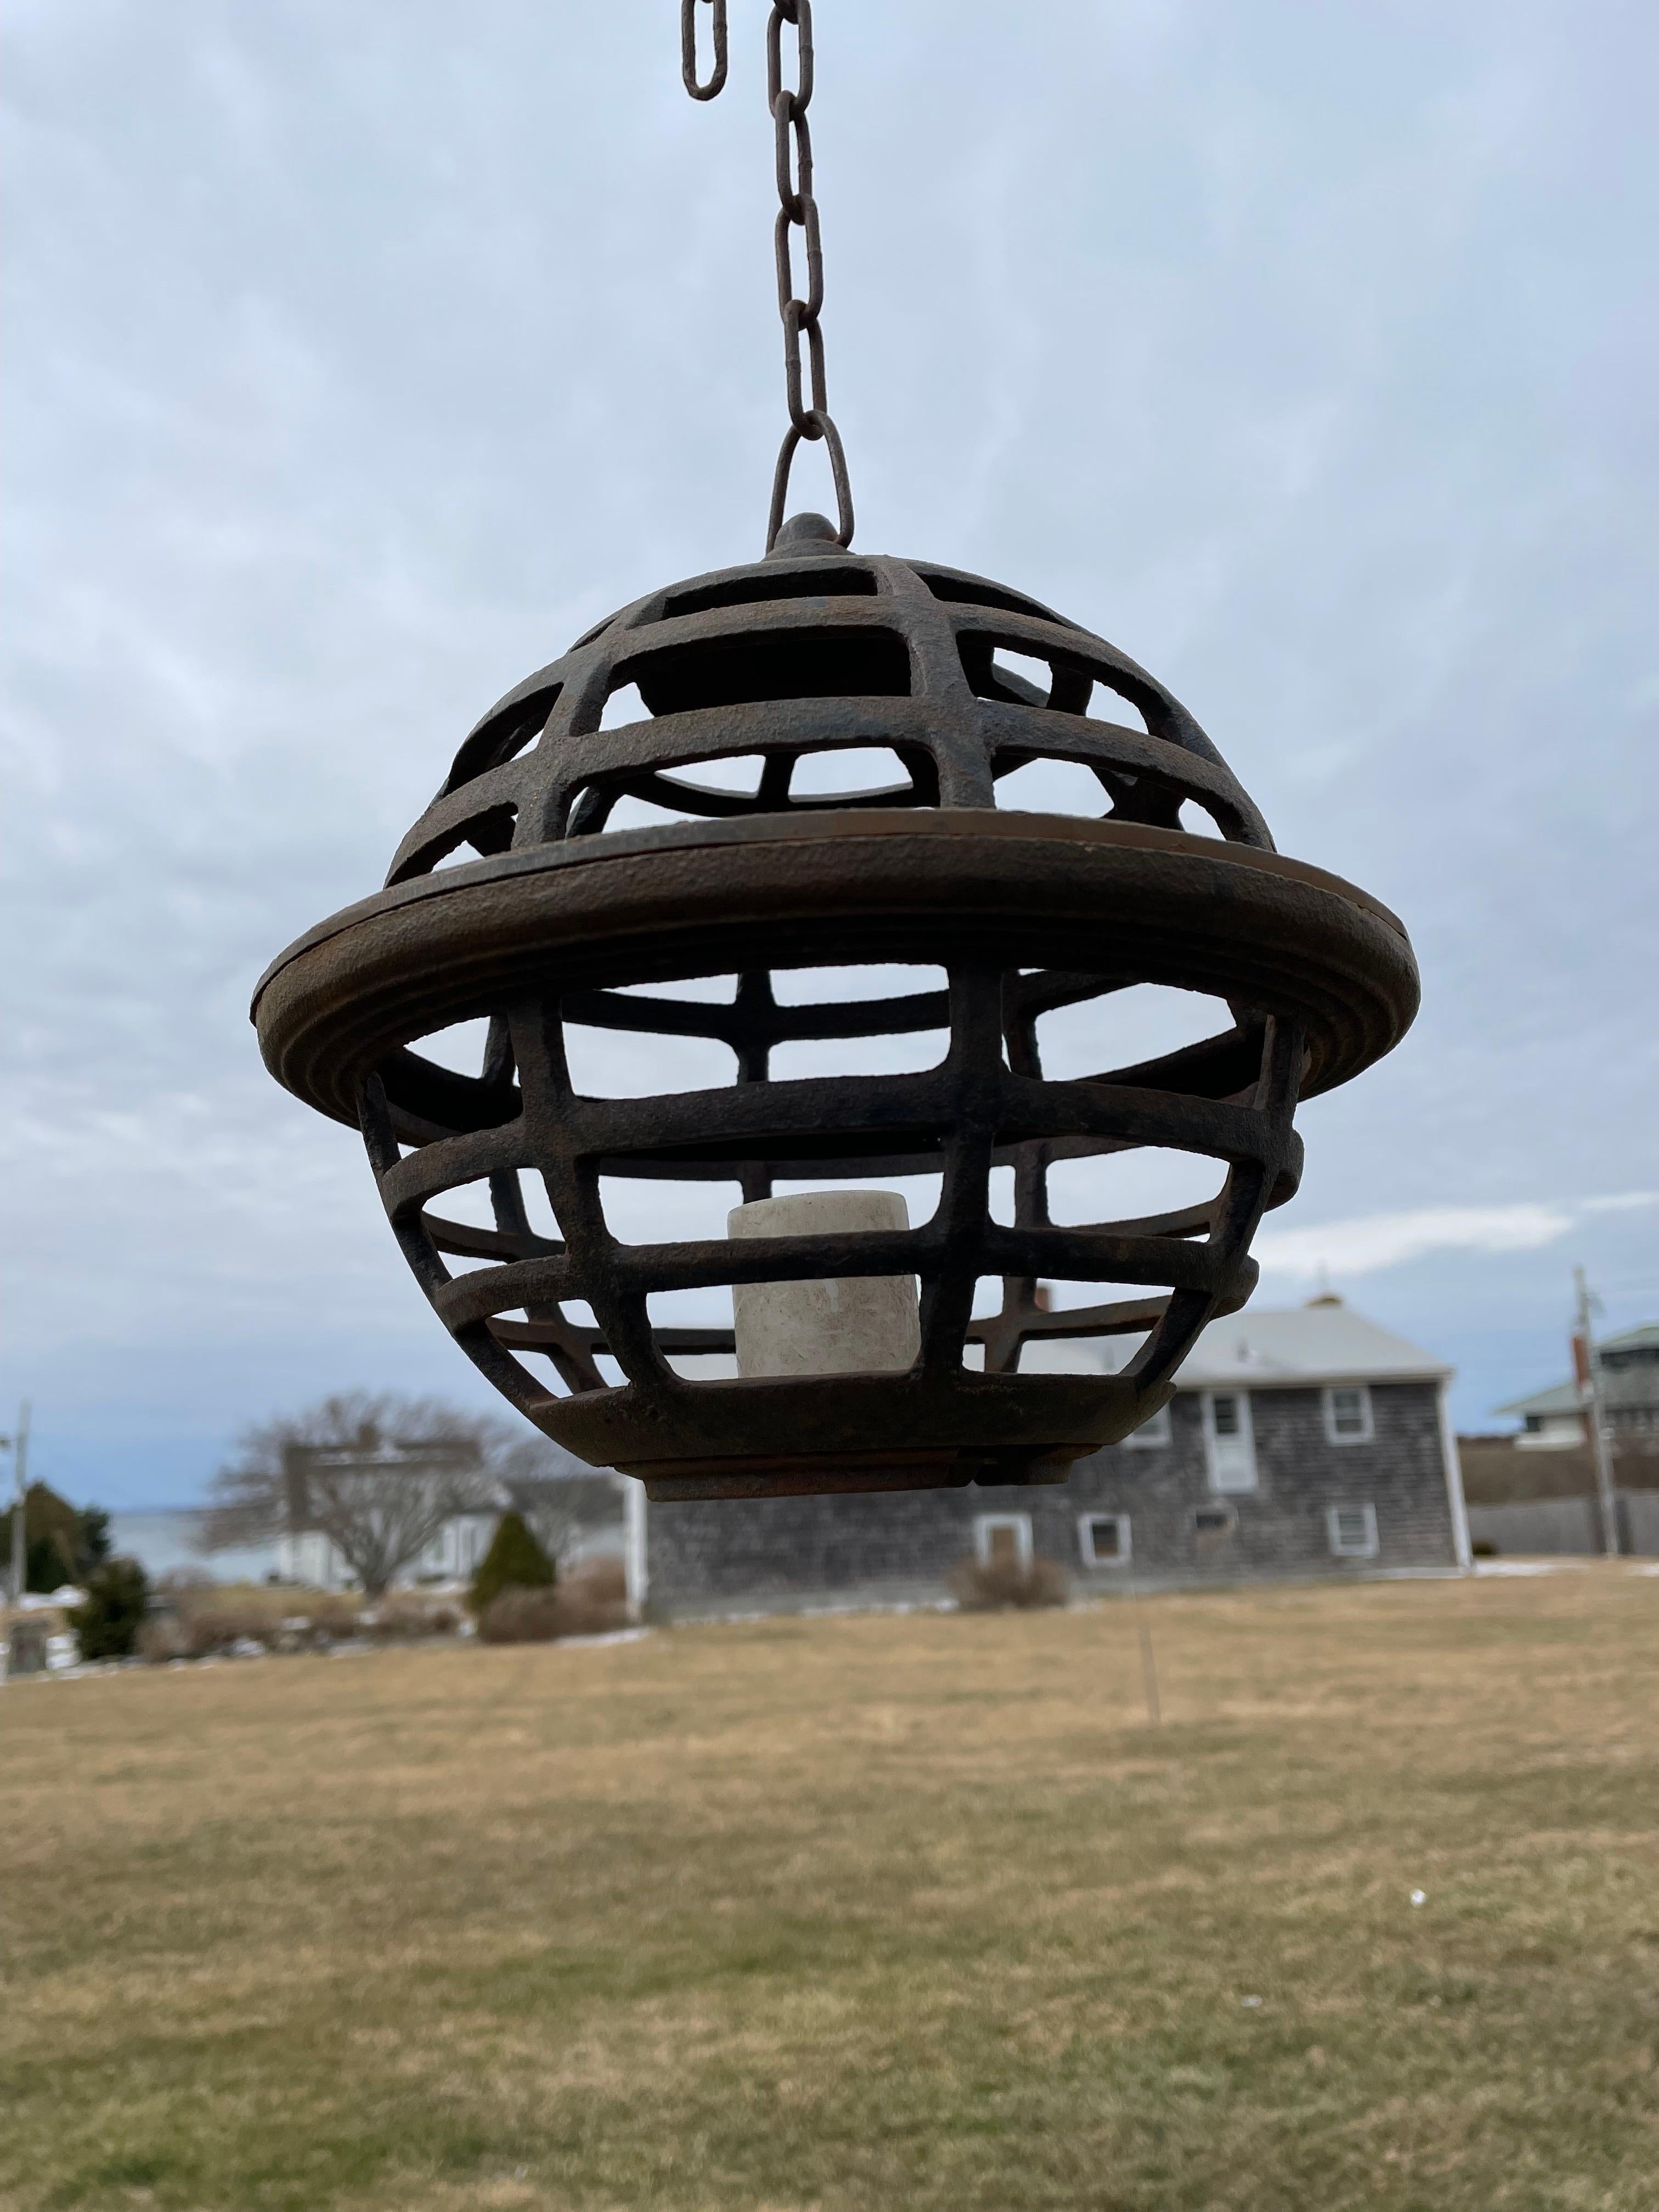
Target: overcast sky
359 358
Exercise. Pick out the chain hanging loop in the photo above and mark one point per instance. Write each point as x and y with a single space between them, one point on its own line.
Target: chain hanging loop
689 48
816 424
796 209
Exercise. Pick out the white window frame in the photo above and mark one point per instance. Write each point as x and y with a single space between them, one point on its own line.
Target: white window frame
1086 1540
1212 1443
985 1524
1368 1549
1365 1433
1155 1431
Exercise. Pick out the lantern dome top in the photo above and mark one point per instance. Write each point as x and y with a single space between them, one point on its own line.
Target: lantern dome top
959 680
805 533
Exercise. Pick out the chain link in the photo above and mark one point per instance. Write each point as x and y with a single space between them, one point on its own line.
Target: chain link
803 386
689 49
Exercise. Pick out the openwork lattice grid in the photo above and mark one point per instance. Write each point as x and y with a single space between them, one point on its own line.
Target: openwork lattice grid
517 898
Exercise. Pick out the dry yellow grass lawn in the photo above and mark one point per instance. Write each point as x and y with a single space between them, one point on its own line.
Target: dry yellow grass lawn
858 1913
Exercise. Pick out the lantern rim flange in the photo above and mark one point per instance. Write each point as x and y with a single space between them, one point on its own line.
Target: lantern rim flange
649 904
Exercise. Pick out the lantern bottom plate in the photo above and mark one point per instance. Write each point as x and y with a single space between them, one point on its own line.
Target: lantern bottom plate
841 1475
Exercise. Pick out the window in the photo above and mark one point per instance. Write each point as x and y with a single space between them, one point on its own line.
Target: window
1229 1440
1002 1538
1352 1531
1348 1415
1154 1431
1213 1524
1103 1539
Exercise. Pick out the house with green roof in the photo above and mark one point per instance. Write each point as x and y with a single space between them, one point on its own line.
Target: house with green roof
1554 1420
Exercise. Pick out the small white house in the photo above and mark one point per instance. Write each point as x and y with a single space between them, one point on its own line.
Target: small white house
315 1561
579 1516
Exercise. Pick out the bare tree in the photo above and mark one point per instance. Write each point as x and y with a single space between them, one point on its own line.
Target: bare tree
377 1475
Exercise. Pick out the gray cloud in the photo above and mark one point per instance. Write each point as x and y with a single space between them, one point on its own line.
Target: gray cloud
360 359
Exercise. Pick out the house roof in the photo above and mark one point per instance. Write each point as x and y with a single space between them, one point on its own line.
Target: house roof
1630 1386
1324 1341
1630 1376
1284 1348
1633 1341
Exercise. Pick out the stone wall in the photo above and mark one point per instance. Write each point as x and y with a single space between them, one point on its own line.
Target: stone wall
724 1556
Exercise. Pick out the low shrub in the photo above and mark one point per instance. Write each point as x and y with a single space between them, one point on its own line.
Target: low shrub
521 1616
596 1599
203 1630
592 1602
327 1616
201 1623
201 1627
396 1619
161 1637
994 1585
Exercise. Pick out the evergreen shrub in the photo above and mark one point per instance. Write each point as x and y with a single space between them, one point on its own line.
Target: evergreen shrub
108 1625
514 1561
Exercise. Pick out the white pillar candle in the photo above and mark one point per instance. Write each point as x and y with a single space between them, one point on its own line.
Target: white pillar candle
843 1325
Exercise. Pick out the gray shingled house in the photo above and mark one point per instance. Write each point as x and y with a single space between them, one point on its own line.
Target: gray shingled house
1300 1442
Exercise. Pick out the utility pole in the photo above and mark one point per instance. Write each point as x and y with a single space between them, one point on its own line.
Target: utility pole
20 1468
1588 1372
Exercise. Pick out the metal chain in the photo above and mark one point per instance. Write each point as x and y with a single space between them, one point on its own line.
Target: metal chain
688 50
796 209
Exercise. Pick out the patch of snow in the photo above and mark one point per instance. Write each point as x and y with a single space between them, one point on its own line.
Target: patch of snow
839 1612
1527 1567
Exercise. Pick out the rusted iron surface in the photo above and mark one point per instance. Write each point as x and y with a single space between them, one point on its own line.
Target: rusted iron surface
515 900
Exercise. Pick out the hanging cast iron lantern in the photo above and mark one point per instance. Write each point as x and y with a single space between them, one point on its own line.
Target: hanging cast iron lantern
558 920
